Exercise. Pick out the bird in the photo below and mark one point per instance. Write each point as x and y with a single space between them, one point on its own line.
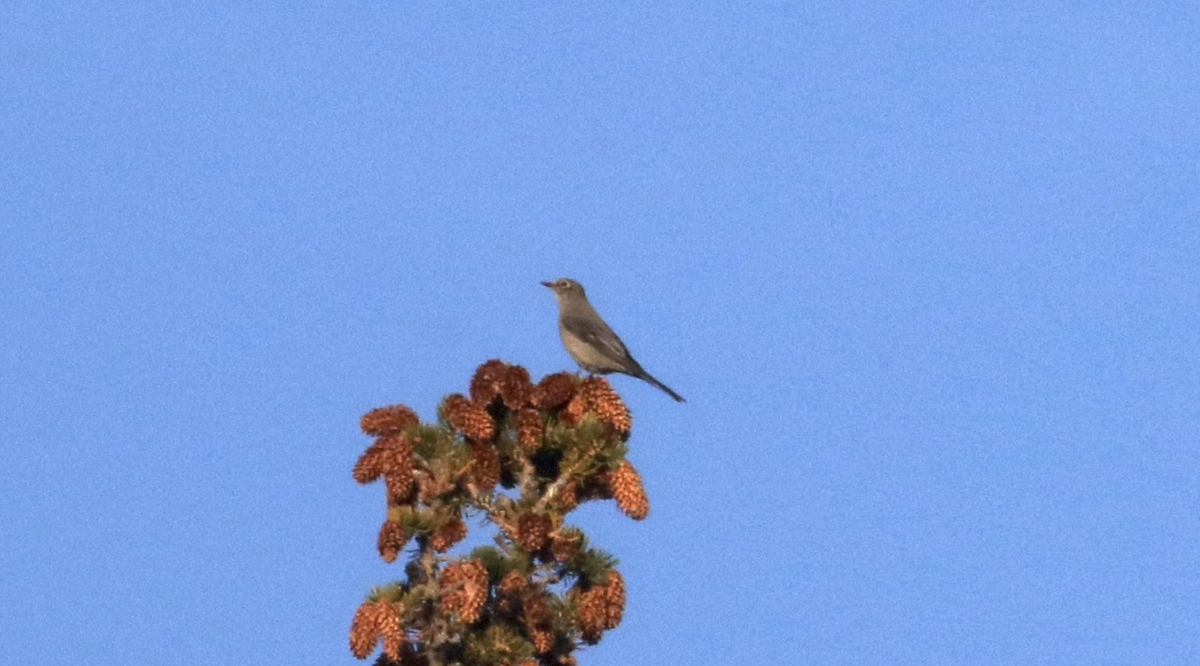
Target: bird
590 341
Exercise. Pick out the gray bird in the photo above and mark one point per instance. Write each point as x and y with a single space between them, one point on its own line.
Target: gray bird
590 341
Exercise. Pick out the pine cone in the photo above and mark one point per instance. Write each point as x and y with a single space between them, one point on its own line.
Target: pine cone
391 454
532 531
469 418
370 465
535 615
553 391
450 584
615 597
464 587
629 492
567 498
516 388
391 629
513 584
390 420
591 614
400 489
606 403
536 612
364 629
542 639
573 413
392 537
530 430
485 467
485 385
444 537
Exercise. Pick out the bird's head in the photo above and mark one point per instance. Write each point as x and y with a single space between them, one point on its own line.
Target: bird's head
565 288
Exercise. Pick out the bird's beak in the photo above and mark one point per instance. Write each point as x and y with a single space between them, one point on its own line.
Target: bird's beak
547 284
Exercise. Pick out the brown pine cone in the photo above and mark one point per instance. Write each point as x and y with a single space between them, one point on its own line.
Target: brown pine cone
532 531
553 391
464 587
614 593
392 537
516 388
591 614
530 430
629 492
513 584
606 403
485 385
485 466
469 418
567 498
390 420
365 628
535 615
391 454
391 630
576 407
444 537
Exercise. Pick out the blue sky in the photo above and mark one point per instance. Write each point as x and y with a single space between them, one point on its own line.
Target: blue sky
926 273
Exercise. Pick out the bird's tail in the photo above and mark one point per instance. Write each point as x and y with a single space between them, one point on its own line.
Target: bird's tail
645 376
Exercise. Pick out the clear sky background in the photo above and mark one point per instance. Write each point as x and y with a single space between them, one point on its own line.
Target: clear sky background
927 273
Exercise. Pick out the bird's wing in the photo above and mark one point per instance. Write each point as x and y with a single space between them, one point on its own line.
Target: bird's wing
597 334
